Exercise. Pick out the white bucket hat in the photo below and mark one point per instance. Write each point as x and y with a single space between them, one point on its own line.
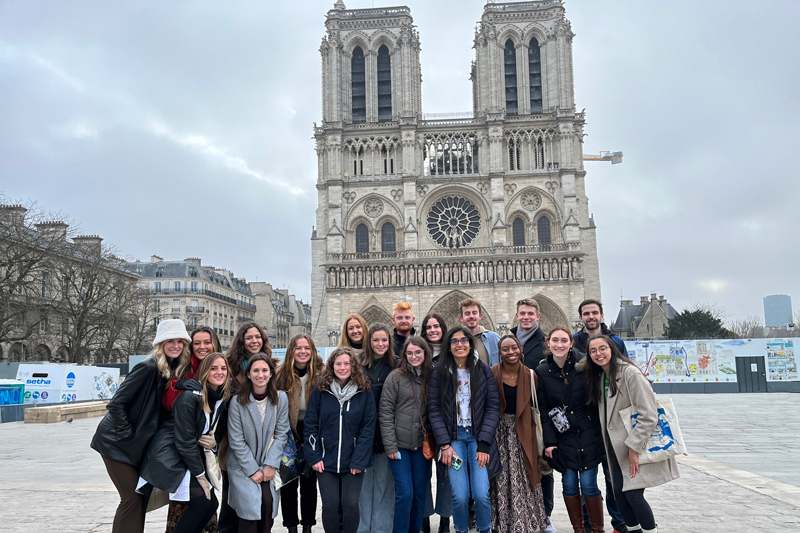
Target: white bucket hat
173 328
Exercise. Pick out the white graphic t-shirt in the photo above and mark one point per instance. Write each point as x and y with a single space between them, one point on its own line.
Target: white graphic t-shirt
464 413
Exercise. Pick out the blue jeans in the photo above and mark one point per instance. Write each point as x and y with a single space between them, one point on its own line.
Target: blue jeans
469 476
412 478
376 502
588 483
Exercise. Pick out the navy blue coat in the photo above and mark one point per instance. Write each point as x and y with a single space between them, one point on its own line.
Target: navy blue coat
485 404
322 440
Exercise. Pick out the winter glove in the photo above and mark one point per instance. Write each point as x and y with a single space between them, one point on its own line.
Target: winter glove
188 384
201 479
207 442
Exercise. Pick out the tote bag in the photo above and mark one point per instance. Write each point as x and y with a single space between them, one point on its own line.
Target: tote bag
666 439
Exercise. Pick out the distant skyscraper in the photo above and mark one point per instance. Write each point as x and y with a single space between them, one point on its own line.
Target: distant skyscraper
777 310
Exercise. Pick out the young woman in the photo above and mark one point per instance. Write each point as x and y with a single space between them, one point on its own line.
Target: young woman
571 429
464 410
297 376
258 426
433 330
338 436
354 331
204 342
376 503
517 499
175 462
614 382
250 340
403 415
123 436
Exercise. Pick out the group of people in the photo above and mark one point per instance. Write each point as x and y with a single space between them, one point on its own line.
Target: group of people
200 428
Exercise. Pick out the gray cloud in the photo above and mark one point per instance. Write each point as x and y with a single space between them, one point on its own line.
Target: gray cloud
184 128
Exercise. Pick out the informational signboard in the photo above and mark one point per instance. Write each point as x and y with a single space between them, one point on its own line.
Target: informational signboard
711 360
54 383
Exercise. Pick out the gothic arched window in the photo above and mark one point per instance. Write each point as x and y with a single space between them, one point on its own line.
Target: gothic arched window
358 72
518 231
543 231
384 85
362 238
535 69
510 64
388 241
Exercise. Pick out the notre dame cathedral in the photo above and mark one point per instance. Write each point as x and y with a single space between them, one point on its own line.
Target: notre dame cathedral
432 209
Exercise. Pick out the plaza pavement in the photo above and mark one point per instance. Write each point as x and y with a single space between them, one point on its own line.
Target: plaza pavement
743 474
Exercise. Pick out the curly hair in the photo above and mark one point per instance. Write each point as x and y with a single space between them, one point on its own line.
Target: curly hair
237 354
344 340
202 376
357 375
286 380
162 362
247 386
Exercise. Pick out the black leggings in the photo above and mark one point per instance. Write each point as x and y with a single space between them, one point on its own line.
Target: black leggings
340 493
200 509
631 503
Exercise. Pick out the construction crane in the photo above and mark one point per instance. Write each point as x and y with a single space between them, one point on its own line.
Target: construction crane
614 157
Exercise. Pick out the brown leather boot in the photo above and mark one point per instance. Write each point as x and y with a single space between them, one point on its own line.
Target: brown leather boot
575 512
594 506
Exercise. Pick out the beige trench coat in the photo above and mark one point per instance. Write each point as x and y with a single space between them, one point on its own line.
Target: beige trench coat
633 389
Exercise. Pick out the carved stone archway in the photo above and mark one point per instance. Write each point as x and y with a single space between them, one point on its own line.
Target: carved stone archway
447 308
374 312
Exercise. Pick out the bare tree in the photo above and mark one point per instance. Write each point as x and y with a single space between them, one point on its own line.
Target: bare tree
750 327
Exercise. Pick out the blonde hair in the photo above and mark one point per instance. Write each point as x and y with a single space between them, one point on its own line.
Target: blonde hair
162 363
401 306
205 370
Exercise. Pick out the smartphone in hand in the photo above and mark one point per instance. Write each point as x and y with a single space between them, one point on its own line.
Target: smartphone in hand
455 462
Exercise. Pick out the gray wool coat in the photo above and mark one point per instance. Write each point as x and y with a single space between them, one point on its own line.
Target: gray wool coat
250 450
633 389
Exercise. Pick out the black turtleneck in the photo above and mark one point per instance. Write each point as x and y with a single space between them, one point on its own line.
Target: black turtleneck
357 345
300 372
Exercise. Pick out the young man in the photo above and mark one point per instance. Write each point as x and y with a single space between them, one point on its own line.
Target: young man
403 320
530 335
591 314
485 340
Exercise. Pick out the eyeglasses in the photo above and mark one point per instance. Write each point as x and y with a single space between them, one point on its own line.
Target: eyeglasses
456 342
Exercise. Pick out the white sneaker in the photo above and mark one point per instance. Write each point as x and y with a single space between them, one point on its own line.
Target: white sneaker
549 528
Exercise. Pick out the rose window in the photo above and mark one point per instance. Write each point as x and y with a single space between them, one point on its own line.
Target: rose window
453 222
531 201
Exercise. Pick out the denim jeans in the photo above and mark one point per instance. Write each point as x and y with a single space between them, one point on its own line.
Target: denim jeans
469 476
412 478
376 503
588 483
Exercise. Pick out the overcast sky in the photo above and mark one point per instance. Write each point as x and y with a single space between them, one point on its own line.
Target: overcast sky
183 128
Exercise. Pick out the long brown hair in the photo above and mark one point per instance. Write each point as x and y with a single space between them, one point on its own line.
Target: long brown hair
357 375
565 329
247 386
237 354
286 380
344 340
594 372
404 367
214 339
369 355
205 370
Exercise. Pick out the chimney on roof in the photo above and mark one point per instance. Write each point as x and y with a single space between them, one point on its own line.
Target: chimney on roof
195 260
156 258
662 301
55 230
91 244
626 302
12 215
643 300
653 297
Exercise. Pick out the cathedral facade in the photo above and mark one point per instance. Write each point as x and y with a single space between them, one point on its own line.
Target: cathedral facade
433 209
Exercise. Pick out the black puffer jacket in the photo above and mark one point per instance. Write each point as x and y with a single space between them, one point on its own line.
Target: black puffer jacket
133 416
377 374
581 446
174 448
485 404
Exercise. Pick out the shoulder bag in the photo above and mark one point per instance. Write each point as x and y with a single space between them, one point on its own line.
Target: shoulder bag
544 466
428 440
